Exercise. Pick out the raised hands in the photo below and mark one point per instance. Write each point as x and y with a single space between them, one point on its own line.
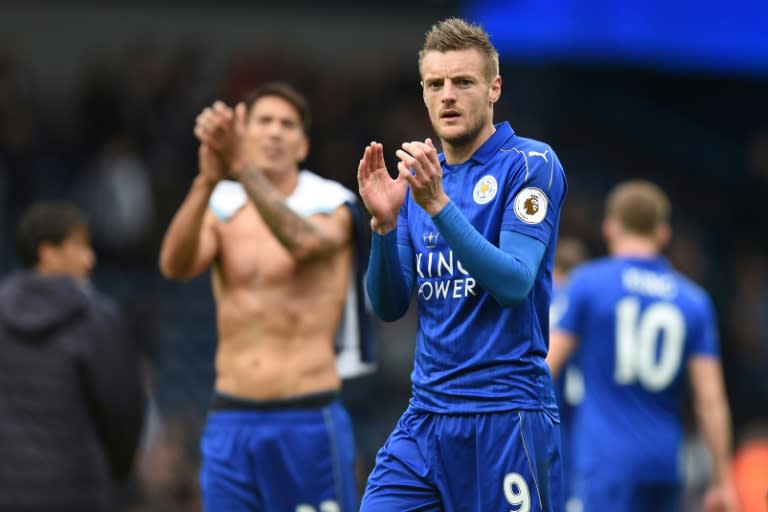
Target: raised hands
382 195
220 130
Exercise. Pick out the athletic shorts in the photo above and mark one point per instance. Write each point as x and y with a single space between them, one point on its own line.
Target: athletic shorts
292 455
490 462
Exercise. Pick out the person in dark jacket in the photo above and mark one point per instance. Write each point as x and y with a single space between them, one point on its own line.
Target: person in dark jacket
71 396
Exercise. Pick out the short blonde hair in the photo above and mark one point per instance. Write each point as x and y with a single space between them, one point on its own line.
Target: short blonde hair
457 34
639 206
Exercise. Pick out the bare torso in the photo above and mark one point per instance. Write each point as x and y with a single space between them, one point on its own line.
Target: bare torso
277 321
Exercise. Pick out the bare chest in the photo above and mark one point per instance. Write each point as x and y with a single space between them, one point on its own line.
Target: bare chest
251 252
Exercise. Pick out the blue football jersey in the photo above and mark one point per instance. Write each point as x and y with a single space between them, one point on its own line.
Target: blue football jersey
638 322
472 354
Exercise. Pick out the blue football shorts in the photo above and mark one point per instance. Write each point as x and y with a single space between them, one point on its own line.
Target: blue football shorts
489 462
288 457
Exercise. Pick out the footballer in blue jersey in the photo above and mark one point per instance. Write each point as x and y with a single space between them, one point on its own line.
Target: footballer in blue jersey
641 329
471 232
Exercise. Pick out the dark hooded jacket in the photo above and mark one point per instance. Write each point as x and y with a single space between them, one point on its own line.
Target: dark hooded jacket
71 400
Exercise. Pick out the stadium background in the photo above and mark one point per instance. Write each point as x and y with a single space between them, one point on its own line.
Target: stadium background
98 99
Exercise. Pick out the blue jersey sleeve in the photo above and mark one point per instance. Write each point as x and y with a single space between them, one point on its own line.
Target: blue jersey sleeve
390 277
389 280
703 336
535 196
506 272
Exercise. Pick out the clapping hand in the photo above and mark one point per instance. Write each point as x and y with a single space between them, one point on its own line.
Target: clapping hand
383 196
221 129
421 169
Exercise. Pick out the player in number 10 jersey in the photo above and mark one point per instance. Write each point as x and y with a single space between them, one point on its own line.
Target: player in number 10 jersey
641 328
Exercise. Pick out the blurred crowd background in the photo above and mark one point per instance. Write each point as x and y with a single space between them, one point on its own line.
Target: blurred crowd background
98 100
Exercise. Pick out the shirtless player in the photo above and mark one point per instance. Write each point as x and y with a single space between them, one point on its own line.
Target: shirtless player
280 243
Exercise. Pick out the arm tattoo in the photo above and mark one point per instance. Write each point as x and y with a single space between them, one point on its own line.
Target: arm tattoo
291 230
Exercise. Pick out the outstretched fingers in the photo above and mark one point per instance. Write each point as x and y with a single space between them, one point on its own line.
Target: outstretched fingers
372 161
363 172
378 155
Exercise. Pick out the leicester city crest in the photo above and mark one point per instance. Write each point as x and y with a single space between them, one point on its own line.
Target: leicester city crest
485 190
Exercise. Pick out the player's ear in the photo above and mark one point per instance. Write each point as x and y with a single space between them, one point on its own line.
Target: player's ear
609 228
47 256
495 91
423 96
663 235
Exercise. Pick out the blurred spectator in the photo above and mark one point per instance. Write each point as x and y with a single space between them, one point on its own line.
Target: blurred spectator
117 194
70 394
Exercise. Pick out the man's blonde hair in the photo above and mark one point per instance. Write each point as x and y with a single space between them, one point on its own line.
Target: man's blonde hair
457 34
638 206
